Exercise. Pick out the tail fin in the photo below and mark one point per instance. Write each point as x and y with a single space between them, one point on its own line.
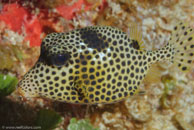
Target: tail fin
182 40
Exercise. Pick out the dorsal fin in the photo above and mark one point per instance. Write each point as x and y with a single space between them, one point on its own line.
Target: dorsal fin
135 33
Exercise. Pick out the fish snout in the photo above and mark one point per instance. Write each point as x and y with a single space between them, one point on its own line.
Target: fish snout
27 89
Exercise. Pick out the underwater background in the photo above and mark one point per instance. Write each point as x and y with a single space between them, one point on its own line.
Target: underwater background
166 98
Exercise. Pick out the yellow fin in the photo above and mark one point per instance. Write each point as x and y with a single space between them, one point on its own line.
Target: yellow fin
135 33
154 74
182 40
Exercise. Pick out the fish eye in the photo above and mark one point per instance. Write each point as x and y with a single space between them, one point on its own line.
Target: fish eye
59 59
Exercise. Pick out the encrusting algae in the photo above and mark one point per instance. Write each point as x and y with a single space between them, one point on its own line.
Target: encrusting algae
99 64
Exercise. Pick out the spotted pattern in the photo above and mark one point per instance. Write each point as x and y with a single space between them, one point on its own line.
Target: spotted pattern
91 65
183 35
93 39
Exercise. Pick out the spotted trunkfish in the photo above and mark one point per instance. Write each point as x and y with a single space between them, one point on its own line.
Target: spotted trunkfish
100 64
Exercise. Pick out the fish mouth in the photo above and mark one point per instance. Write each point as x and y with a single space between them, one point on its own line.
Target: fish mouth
20 91
23 95
23 89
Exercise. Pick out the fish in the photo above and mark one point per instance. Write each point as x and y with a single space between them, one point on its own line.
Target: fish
100 64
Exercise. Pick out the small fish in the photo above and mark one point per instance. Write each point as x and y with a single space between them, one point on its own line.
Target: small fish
100 64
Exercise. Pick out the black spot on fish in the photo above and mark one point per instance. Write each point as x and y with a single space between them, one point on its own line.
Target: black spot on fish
93 39
135 44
